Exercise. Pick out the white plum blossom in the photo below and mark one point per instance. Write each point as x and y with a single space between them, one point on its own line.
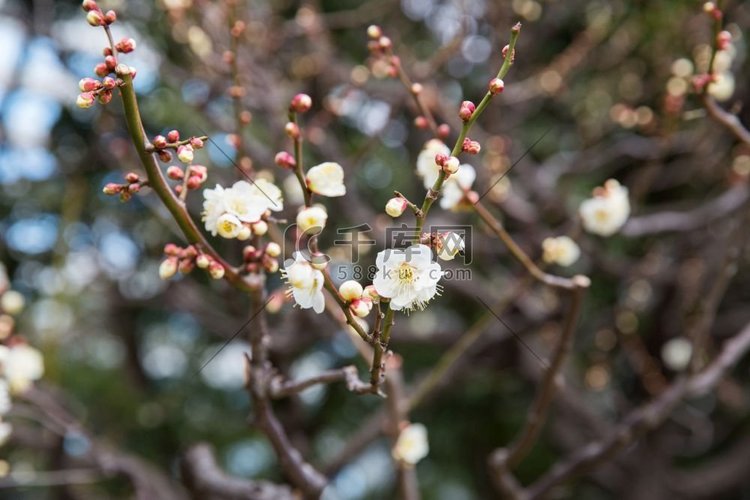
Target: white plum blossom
408 277
244 202
21 365
449 244
312 217
427 169
676 353
411 445
455 186
326 179
562 251
607 211
306 283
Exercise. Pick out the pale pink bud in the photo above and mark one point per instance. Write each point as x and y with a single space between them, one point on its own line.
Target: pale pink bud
466 110
361 307
95 18
89 84
126 45
109 83
416 88
249 253
285 160
175 173
196 142
85 100
270 264
168 268
172 250
444 130
385 42
421 122
496 86
273 249
111 62
112 188
471 147
350 290
101 70
132 177
193 182
723 40
301 103
173 136
159 142
245 233
185 153
105 96
186 265
199 171
451 165
371 293
110 16
164 155
374 31
440 159
292 130
395 206
89 5
216 270
203 261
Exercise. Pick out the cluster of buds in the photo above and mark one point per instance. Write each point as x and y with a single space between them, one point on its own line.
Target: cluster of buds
466 110
93 90
95 16
133 184
712 10
449 164
261 258
471 147
360 303
385 63
184 148
192 177
186 259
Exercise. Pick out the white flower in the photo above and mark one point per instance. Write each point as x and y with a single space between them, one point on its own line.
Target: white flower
350 290
312 217
306 283
22 364
5 430
607 211
245 202
449 245
427 169
561 250
272 194
723 87
5 403
676 353
228 226
326 179
408 277
396 206
12 302
411 445
455 186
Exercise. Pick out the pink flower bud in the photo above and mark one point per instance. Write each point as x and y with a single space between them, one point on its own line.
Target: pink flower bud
723 40
134 188
105 96
285 160
95 18
421 122
301 103
496 86
168 268
361 307
466 110
107 51
416 88
185 153
110 16
385 42
216 270
396 206
190 252
451 165
101 70
164 155
126 45
196 142
171 249
159 142
203 261
199 171
186 265
270 264
112 188
132 177
374 31
109 83
122 70
471 147
444 130
111 62
89 5
512 55
85 100
516 29
193 182
175 173
178 189
89 84
249 253
440 159
173 136
292 130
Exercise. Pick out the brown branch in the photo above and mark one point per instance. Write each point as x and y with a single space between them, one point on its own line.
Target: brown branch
280 388
643 419
207 481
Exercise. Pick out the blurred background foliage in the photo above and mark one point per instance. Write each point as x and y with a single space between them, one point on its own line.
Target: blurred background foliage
599 78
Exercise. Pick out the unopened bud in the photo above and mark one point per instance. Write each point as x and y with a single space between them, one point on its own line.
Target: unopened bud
164 155
109 83
512 55
292 130
371 293
249 253
112 188
374 31
89 5
466 110
395 206
126 45
193 182
185 153
159 142
111 62
361 307
444 130
723 40
186 266
216 270
196 142
89 84
260 228
168 268
301 103
416 88
101 70
245 233
471 147
440 159
95 18
270 264
110 16
203 261
496 86
171 249
123 70
173 136
451 165
385 42
350 290
421 122
199 171
273 249
85 100
132 177
105 96
285 160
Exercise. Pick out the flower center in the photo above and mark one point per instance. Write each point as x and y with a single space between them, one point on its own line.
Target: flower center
405 273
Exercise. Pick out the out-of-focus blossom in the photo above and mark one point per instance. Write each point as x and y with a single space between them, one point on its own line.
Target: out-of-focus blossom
607 211
411 445
326 179
561 250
